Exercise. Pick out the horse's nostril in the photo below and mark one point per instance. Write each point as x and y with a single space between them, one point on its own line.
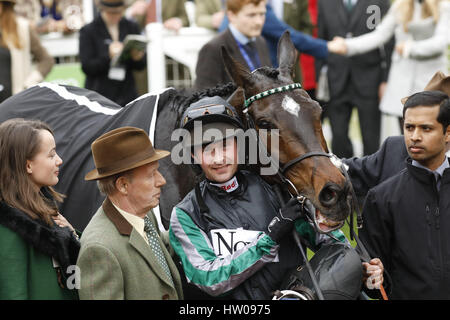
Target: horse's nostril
329 196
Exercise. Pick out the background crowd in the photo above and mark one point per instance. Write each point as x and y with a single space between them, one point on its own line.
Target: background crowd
369 74
374 60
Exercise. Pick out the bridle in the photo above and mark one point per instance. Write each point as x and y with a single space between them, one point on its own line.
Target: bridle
360 248
281 169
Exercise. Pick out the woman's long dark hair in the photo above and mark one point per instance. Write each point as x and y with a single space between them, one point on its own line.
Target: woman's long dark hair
19 142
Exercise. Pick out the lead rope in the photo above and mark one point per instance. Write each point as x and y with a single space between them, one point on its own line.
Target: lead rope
360 248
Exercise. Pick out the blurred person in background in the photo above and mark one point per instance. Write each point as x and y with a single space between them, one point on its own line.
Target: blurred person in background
421 29
100 41
209 13
242 39
52 15
38 245
171 13
355 82
293 12
19 46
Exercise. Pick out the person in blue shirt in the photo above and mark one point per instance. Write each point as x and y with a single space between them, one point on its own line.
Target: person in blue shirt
273 29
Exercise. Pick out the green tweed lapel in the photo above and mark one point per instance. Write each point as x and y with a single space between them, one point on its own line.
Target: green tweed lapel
136 240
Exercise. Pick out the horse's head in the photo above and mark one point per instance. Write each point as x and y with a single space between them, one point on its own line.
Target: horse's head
297 118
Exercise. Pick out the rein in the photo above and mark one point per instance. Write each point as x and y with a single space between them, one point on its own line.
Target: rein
281 171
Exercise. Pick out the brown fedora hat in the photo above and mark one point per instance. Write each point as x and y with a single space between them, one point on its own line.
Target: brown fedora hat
439 82
120 150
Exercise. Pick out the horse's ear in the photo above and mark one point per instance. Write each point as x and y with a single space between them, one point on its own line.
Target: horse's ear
235 70
323 142
287 55
237 99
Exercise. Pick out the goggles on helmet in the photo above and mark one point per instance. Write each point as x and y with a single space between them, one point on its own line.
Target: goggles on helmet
210 110
204 111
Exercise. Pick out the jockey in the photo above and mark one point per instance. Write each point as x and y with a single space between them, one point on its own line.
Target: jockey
230 233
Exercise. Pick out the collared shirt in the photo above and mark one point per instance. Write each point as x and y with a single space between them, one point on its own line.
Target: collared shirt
239 36
135 221
438 172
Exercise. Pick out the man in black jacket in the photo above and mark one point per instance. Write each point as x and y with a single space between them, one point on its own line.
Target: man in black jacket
369 171
357 81
406 218
100 41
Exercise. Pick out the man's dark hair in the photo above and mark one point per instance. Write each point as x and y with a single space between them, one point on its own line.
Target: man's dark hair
431 99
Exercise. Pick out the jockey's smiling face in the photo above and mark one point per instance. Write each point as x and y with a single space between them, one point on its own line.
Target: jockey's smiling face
218 160
250 19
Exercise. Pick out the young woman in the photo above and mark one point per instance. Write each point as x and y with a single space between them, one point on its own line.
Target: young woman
37 244
19 45
421 32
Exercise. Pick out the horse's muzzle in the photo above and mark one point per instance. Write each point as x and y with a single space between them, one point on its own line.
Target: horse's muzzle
336 201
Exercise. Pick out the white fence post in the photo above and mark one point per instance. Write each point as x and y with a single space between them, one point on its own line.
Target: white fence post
88 11
156 67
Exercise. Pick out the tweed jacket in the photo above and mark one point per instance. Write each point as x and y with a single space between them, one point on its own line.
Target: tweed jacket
117 264
204 9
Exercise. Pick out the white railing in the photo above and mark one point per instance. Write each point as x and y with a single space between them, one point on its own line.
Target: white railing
182 47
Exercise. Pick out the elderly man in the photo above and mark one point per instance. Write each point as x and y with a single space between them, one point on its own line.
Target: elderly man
123 255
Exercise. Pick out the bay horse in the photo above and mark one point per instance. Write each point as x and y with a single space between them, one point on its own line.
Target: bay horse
78 116
270 100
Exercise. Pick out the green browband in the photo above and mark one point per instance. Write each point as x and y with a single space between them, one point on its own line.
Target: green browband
263 94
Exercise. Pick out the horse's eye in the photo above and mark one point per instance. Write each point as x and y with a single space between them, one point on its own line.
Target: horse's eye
263 124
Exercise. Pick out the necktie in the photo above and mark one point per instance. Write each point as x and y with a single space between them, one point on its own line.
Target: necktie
151 12
153 240
438 180
250 48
